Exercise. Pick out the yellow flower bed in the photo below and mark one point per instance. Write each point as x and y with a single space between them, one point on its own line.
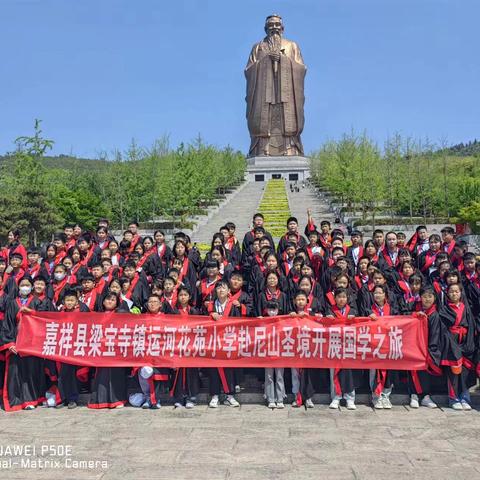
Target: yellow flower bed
274 206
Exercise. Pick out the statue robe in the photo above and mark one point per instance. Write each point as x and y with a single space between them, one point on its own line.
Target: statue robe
271 95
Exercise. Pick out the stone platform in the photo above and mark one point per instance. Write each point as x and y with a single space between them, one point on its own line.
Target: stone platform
250 442
291 168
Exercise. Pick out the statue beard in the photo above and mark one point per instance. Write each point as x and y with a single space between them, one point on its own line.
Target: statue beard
274 41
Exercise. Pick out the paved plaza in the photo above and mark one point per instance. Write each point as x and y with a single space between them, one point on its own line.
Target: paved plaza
250 442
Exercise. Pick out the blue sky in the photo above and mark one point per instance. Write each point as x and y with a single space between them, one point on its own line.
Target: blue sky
101 72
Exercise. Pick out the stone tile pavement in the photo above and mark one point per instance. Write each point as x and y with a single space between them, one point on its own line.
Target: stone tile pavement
251 442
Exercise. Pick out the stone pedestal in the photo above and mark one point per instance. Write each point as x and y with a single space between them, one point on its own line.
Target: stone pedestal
292 168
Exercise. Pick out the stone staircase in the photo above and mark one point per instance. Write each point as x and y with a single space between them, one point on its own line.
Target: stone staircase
239 209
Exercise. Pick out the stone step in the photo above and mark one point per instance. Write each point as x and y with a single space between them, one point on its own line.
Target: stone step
239 209
308 197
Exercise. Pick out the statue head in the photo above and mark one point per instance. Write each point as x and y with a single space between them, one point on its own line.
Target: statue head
274 25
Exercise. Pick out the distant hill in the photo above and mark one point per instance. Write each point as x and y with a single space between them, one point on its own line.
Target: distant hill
464 149
66 162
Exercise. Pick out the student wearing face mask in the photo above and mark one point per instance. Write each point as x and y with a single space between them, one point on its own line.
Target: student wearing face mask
59 284
24 386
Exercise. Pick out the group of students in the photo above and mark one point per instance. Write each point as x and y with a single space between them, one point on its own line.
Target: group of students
316 274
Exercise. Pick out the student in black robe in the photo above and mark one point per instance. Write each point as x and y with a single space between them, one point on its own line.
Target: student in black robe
370 251
418 243
164 252
206 289
148 260
471 283
78 269
59 285
15 246
457 317
70 376
232 245
381 381
148 382
407 289
187 269
292 230
388 257
223 307
239 297
361 275
257 231
89 254
138 289
426 260
355 251
109 385
186 381
24 385
306 381
272 290
218 254
271 265
315 300
343 382
365 298
325 275
13 274
439 340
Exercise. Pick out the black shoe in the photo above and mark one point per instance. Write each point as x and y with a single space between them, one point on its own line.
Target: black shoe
72 405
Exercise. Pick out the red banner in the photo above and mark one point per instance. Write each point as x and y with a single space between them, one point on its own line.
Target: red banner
117 340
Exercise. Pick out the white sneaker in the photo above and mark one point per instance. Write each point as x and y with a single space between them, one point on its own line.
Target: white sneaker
214 402
272 405
238 389
309 403
414 401
378 404
351 405
456 406
29 407
147 404
466 405
189 404
156 406
334 404
387 404
428 402
280 405
231 400
295 404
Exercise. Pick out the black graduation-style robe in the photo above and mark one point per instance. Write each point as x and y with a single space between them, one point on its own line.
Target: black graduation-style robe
248 241
280 297
109 385
165 255
312 380
383 378
345 380
282 244
224 378
138 292
186 381
426 260
25 382
70 376
471 286
441 345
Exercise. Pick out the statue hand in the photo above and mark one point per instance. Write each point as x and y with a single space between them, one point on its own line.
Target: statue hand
274 56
